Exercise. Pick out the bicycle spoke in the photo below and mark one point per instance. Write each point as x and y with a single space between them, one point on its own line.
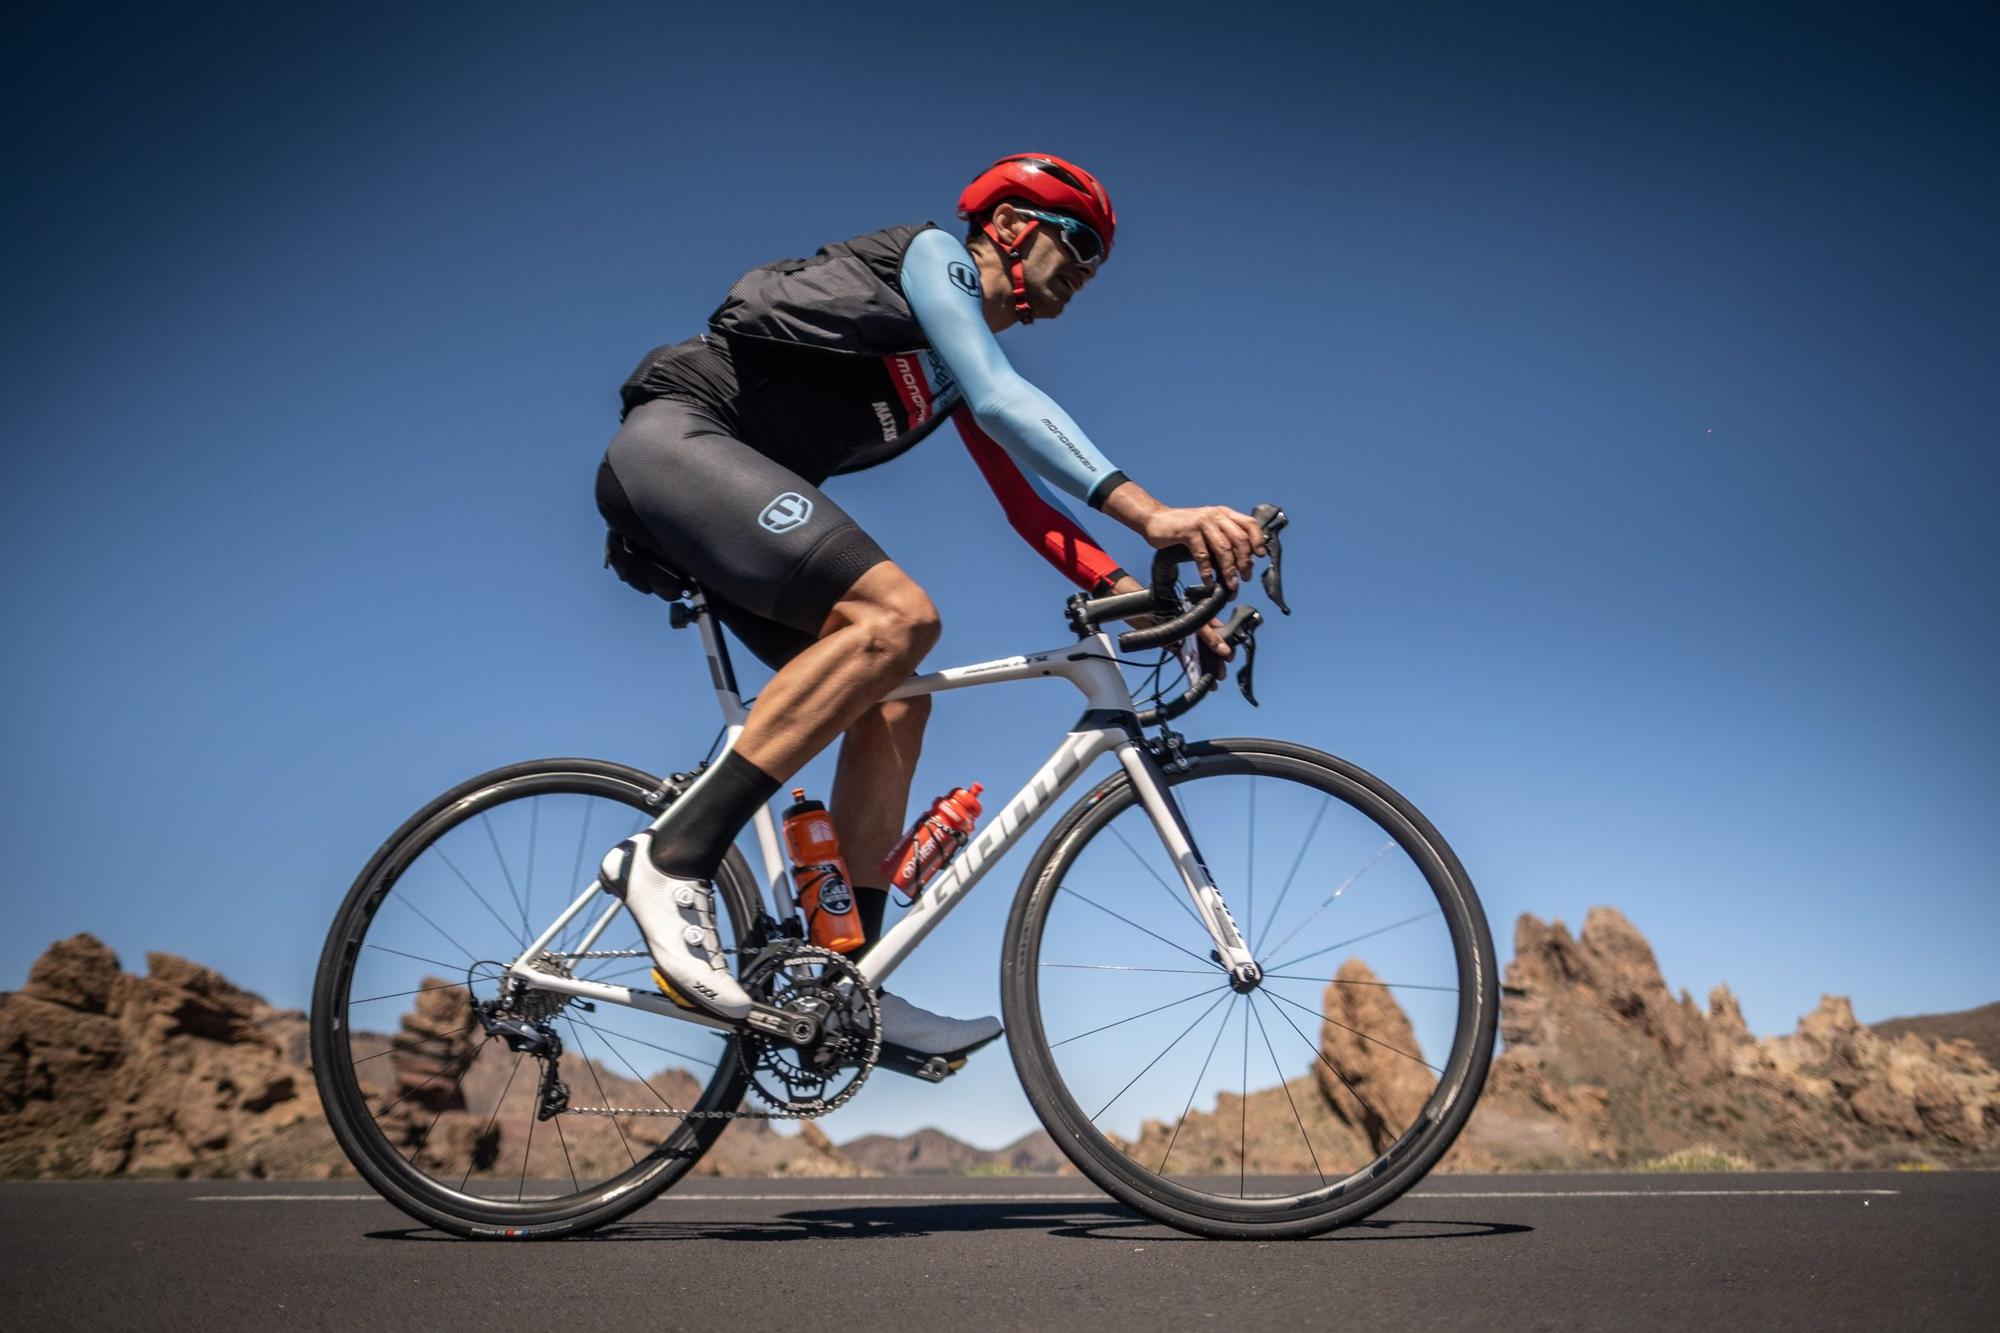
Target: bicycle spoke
482 897
521 1185
1292 874
1250 875
448 985
1344 886
1286 1084
1243 1114
1357 1032
568 1162
1136 926
1331 1068
1195 1091
512 892
528 880
1369 935
607 1034
412 1046
467 1059
576 870
1343 981
1156 1059
418 958
473 1160
1180 899
610 1046
1120 967
449 939
603 1097
1141 1014
457 1084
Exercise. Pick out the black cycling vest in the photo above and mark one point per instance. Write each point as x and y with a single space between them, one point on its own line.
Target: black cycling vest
818 364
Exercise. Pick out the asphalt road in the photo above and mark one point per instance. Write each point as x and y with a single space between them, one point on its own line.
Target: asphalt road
1763 1251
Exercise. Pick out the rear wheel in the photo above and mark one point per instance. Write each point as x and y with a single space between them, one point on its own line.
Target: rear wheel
1307 1102
443 1118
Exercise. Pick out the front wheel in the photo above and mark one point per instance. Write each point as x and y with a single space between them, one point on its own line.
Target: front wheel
1306 1102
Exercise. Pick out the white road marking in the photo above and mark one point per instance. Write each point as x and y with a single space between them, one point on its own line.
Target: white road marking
1088 1197
1623 1194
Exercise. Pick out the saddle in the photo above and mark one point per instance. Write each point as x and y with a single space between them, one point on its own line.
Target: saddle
644 569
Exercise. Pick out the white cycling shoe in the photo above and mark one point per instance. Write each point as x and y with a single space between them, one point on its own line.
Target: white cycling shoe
677 918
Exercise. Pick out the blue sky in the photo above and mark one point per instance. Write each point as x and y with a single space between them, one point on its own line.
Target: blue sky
1630 378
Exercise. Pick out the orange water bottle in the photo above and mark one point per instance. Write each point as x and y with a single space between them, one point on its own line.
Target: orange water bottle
933 840
825 893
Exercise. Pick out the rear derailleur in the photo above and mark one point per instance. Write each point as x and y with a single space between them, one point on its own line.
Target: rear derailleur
536 1037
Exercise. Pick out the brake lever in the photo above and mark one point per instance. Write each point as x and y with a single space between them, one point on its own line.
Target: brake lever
1274 521
1240 631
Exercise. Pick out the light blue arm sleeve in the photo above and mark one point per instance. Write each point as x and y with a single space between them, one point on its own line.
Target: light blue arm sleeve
941 283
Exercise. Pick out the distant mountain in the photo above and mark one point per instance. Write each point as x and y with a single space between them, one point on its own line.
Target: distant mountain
1979 1026
932 1152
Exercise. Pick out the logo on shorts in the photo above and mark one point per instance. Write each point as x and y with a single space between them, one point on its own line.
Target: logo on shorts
786 512
964 278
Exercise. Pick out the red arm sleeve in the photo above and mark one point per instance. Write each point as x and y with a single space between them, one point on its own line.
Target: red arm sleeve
1050 531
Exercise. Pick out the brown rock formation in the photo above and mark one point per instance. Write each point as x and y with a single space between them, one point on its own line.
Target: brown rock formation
1604 1067
1370 1073
180 1073
102 1073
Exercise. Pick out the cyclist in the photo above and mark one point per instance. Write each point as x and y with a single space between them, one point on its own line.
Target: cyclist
817 367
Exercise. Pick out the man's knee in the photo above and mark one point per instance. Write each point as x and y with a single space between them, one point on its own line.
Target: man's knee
899 619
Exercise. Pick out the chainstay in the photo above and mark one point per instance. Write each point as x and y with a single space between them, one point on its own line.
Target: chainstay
696 1115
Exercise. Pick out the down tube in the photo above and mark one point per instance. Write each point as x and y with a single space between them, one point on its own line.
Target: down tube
1076 753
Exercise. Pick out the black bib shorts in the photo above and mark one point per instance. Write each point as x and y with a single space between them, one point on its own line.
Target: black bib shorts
771 551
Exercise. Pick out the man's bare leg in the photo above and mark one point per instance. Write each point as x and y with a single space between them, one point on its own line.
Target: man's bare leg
871 641
871 785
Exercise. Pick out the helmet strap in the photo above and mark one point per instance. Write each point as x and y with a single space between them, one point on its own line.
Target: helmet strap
1016 272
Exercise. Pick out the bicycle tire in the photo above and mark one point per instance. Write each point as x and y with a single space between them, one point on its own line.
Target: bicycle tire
1396 1167
345 1101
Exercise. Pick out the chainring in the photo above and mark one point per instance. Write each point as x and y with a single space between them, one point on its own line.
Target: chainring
811 1080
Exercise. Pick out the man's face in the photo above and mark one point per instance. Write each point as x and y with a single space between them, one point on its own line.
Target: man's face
1053 275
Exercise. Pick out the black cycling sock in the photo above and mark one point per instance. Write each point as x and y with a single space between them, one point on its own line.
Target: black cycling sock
707 819
871 904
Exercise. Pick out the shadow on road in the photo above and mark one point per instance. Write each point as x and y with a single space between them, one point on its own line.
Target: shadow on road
1086 1220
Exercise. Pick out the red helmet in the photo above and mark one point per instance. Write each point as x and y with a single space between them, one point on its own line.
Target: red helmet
1045 181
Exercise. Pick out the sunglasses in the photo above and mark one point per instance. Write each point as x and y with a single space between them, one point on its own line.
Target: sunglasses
1079 237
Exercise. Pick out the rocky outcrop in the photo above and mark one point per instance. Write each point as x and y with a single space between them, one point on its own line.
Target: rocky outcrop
1604 1067
180 1073
103 1073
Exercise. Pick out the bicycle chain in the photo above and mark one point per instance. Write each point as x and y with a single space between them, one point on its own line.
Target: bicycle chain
742 1113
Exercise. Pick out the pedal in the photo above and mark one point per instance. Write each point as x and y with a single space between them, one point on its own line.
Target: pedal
929 1068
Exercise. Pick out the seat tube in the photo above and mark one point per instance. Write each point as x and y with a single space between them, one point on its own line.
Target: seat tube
1178 839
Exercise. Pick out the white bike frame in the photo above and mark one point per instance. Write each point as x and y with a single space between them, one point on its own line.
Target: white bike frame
1109 725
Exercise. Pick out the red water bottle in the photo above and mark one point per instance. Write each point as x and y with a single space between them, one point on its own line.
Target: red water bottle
825 893
933 840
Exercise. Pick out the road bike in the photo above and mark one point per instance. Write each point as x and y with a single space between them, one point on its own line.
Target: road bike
494 1070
